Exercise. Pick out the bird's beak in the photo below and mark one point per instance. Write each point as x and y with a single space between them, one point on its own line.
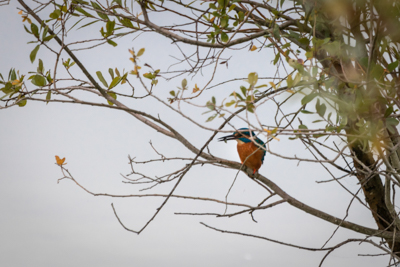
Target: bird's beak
227 138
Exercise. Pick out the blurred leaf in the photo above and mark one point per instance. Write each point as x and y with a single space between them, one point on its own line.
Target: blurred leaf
112 43
224 37
321 108
392 66
101 78
141 51
113 95
35 29
253 48
252 78
391 124
308 98
40 68
184 83
48 96
22 103
60 161
115 82
39 80
32 56
98 7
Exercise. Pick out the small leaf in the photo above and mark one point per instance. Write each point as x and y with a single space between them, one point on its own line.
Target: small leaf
22 103
111 42
48 96
101 78
115 82
308 98
252 78
184 83
195 89
39 80
392 66
35 29
224 37
59 161
40 68
113 95
321 108
32 56
141 51
253 48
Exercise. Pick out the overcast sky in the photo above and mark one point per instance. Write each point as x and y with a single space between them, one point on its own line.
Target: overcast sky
45 223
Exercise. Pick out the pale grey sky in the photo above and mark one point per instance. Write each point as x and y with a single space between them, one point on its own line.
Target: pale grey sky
48 224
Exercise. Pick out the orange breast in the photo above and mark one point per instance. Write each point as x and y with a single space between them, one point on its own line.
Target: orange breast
250 155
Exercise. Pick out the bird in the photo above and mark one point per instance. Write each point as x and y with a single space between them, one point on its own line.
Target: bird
250 148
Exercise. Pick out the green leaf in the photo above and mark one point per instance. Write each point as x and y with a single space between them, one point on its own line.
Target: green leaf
12 75
22 103
110 25
48 38
244 90
230 103
83 12
184 83
32 56
126 22
302 126
35 29
113 95
321 108
172 93
392 66
98 7
388 111
111 71
211 118
48 96
7 89
391 124
39 80
308 98
55 14
40 68
276 32
101 78
115 82
252 78
277 57
141 51
112 43
224 37
306 112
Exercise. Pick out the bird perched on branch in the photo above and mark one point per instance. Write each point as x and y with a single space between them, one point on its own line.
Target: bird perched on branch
250 148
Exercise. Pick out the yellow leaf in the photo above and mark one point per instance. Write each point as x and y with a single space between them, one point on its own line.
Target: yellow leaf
20 12
290 91
253 48
212 19
15 82
60 161
130 51
195 89
273 85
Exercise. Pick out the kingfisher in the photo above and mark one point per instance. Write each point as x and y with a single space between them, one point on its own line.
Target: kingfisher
250 148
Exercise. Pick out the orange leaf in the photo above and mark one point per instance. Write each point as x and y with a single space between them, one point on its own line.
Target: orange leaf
253 48
20 12
195 89
60 161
